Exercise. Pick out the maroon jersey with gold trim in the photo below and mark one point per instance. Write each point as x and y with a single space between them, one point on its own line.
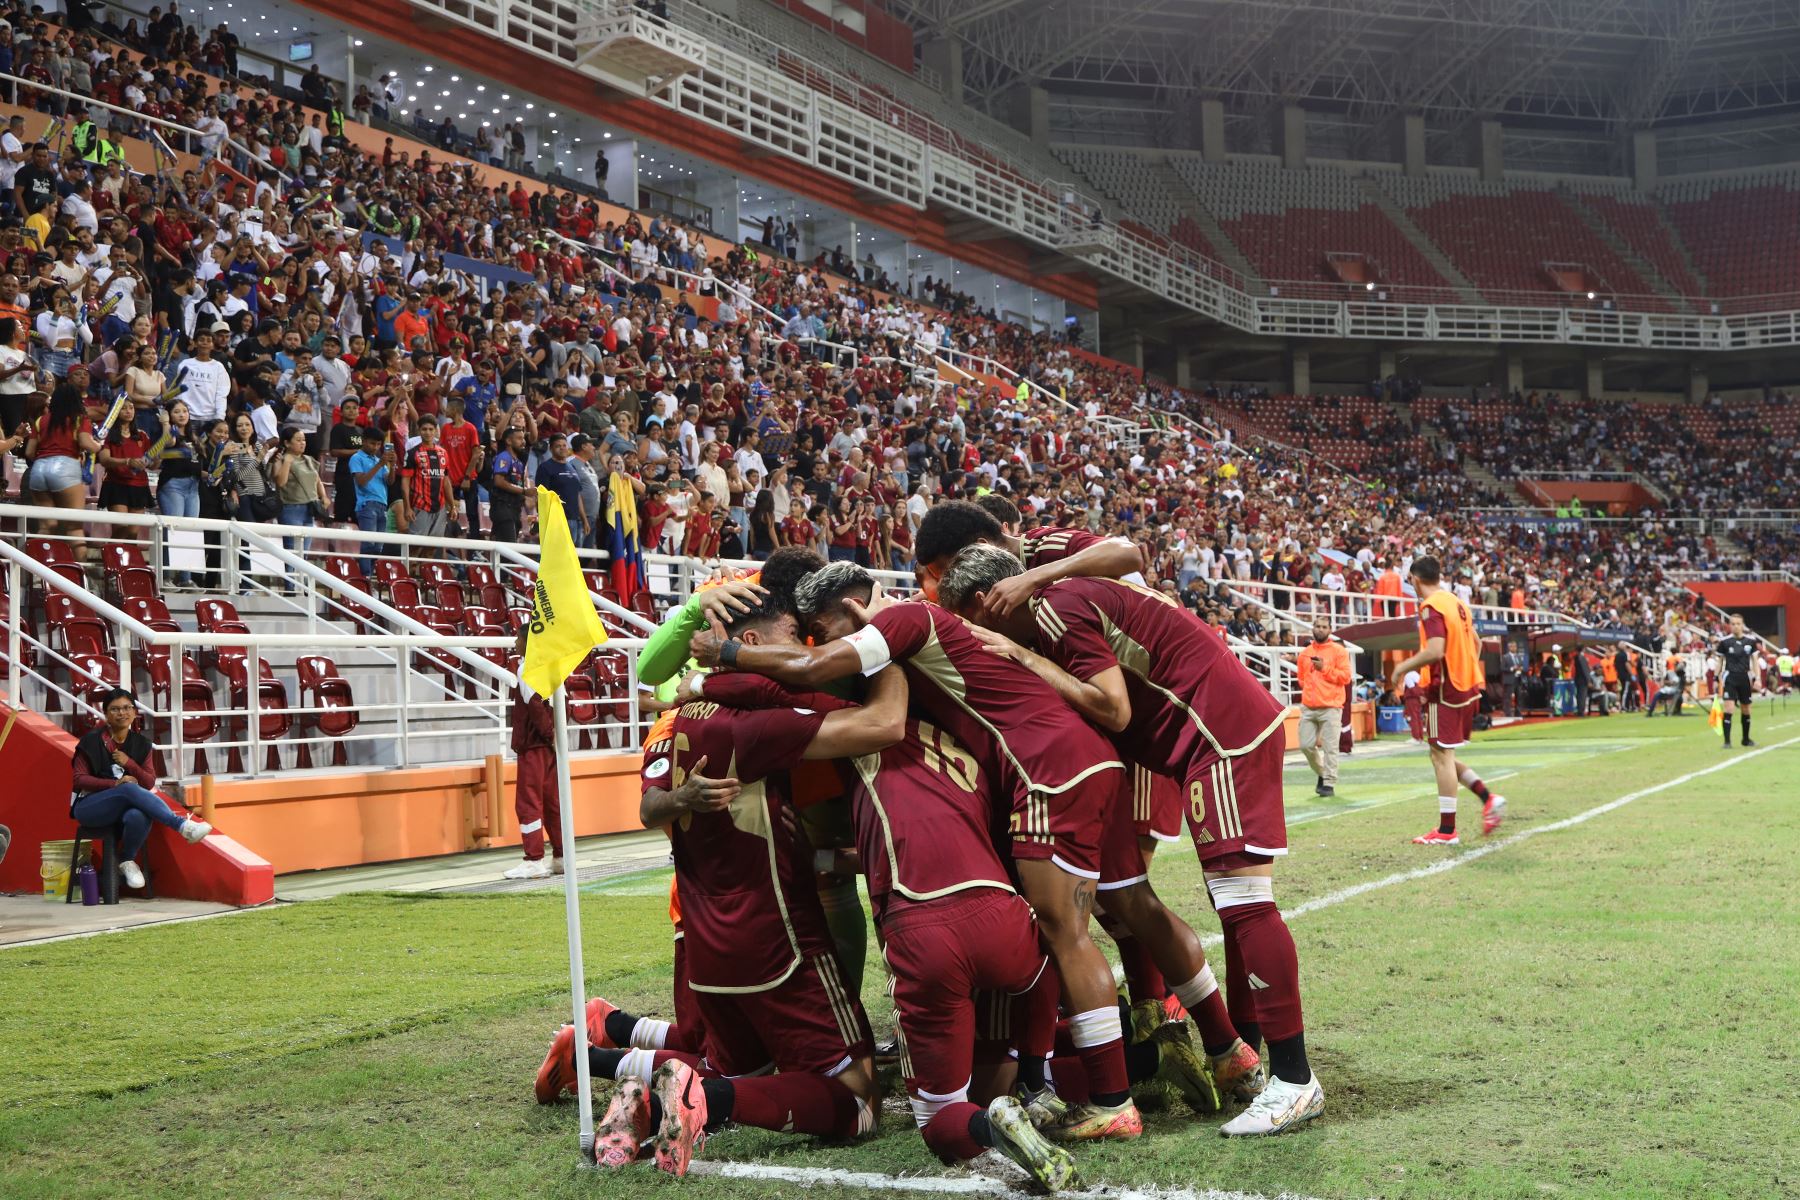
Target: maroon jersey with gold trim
1041 744
750 906
924 814
923 807
1190 696
1051 543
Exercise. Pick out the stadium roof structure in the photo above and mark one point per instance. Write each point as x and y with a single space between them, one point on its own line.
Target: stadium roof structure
1596 65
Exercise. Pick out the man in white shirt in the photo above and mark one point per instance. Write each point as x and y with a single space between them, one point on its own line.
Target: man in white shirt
12 153
205 382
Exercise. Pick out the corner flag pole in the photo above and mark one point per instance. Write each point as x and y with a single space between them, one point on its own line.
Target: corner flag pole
572 915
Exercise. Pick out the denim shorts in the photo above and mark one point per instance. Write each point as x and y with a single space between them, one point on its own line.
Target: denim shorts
54 474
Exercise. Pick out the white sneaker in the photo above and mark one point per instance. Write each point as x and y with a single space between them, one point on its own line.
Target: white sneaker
194 831
132 874
1279 1107
531 868
556 865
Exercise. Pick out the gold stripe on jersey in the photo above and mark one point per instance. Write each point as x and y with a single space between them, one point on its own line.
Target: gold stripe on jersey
933 663
1136 659
868 768
750 813
1049 620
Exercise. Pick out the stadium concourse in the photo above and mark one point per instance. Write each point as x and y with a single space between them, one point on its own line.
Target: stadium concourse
934 633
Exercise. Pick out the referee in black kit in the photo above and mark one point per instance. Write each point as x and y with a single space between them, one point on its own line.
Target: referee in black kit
1736 654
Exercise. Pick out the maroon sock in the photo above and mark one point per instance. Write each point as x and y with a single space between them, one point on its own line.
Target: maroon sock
1070 1076
948 1134
1213 1020
797 1103
681 1038
1034 1026
1141 975
1270 960
1240 999
1481 790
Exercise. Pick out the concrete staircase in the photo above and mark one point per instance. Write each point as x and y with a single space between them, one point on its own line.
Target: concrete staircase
1196 212
1633 259
1395 213
1687 260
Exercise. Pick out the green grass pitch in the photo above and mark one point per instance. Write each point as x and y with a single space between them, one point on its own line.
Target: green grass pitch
1602 1010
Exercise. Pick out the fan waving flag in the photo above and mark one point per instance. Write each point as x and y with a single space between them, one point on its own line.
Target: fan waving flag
564 624
624 551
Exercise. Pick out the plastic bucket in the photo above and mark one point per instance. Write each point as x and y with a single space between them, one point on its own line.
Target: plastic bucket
54 870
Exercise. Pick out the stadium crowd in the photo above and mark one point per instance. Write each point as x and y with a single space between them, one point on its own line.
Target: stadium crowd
290 342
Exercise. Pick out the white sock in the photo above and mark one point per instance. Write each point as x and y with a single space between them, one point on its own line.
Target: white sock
1447 804
1467 777
638 1063
649 1033
1096 1027
1196 990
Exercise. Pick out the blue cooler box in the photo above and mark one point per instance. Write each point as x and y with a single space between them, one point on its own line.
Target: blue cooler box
1390 718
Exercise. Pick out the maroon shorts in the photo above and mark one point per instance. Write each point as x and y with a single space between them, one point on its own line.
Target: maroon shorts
1235 805
1447 725
1066 827
809 1023
1121 856
940 954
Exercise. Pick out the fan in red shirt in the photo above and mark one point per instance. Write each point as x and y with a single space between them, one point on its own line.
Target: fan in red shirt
1061 779
1174 696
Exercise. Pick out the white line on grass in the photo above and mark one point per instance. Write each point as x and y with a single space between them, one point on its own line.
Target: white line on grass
1331 899
951 1185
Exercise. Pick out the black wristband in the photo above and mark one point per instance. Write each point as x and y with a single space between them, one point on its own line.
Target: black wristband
729 651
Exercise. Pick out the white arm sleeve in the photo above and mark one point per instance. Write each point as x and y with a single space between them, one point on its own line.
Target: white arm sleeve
871 649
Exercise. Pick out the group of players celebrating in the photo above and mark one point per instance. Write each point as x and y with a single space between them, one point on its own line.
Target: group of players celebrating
1010 748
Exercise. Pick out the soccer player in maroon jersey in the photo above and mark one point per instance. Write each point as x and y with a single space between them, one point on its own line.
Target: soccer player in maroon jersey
1051 553
951 923
760 960
1143 667
1059 775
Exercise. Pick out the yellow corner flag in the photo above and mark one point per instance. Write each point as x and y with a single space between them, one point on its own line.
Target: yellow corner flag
1716 717
564 623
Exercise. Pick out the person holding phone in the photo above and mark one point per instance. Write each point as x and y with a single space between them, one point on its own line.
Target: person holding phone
114 785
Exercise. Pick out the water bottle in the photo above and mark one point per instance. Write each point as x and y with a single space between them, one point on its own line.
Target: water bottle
90 885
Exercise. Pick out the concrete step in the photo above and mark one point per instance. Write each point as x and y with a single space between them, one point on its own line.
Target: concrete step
1436 257
1633 259
1197 212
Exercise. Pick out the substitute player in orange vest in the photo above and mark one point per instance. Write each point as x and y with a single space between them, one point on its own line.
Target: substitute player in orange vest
1449 663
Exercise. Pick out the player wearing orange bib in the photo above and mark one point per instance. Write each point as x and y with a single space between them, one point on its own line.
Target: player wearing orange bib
1449 665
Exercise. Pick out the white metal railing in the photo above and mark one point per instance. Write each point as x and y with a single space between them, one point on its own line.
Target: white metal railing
448 701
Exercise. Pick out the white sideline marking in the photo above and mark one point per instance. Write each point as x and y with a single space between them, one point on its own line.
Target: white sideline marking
1330 899
952 1185
981 1185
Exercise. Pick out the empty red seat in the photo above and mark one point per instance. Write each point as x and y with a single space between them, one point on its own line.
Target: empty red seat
126 572
349 571
232 662
322 687
74 629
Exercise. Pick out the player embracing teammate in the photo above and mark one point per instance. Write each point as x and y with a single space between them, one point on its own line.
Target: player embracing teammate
993 812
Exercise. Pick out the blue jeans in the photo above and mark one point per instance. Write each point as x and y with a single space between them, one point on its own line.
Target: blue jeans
297 514
841 553
178 498
371 518
130 805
